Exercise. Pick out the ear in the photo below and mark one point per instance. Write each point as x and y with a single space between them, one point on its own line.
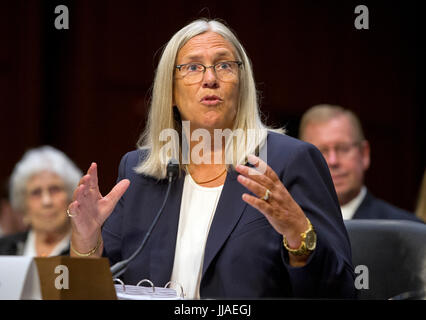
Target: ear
365 154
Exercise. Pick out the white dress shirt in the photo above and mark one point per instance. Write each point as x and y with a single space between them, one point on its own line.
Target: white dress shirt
349 209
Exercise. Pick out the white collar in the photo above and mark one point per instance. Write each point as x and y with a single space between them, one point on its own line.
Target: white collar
349 209
30 250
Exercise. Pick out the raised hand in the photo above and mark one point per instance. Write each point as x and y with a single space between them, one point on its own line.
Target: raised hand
90 209
274 201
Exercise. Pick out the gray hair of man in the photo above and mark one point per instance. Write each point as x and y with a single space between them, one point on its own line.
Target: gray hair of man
326 112
37 160
162 114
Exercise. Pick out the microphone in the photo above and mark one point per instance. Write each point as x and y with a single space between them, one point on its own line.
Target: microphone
120 267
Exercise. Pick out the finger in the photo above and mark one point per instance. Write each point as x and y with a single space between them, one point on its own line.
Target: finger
73 208
81 221
253 186
81 181
117 192
74 194
87 181
80 193
252 174
75 213
258 204
279 194
263 167
93 173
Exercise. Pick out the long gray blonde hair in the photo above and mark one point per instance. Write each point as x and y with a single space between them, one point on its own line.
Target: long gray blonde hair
162 115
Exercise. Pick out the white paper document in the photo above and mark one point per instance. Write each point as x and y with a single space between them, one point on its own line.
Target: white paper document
19 278
130 292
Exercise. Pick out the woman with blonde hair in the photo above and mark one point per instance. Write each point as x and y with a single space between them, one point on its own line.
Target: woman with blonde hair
251 212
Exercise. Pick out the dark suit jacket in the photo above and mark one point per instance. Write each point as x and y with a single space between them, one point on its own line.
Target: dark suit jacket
10 244
244 255
373 208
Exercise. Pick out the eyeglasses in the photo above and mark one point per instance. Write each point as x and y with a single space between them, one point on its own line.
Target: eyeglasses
193 72
341 150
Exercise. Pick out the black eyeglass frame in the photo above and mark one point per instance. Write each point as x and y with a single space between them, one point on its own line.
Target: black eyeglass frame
179 66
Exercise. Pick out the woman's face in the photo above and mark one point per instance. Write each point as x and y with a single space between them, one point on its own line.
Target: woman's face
46 203
210 103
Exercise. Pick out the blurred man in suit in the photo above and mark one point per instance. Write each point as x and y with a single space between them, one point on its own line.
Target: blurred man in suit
338 134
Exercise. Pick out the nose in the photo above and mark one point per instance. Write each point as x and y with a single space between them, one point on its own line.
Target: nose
332 159
210 79
46 198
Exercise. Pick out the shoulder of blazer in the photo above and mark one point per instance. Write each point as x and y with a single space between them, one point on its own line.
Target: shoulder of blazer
282 145
283 140
128 164
374 208
9 243
134 158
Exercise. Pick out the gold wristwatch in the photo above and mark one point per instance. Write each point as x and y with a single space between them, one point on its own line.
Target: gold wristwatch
309 242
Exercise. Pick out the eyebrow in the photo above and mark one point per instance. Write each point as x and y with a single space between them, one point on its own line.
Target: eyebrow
217 56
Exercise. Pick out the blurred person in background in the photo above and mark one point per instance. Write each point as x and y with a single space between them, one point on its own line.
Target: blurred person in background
421 201
41 187
338 134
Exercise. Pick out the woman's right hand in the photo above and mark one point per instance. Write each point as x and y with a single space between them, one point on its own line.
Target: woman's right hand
90 209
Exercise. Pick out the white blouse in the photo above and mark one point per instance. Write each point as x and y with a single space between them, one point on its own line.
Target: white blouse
196 214
29 248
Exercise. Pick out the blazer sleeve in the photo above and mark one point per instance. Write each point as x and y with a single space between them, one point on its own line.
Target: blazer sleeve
329 271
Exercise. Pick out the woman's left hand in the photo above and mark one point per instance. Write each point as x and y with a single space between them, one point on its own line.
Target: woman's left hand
282 212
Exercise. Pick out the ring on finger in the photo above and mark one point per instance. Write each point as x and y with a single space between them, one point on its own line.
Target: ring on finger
267 195
69 214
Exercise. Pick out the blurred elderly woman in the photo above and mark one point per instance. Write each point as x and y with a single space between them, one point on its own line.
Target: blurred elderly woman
252 213
41 187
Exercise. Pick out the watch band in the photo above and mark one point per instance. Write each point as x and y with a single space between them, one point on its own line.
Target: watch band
303 249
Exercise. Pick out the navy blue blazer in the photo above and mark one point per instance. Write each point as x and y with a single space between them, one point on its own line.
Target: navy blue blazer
244 256
373 208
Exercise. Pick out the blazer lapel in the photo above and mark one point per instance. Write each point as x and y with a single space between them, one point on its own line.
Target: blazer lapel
228 213
163 237
364 209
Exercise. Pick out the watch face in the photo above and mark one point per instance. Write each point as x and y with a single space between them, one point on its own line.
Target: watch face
311 240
